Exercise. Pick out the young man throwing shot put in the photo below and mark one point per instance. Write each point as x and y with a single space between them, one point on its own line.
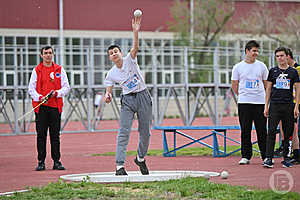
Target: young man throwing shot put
135 98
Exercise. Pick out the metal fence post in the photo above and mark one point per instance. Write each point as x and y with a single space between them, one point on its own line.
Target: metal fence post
186 84
216 83
89 90
155 90
16 91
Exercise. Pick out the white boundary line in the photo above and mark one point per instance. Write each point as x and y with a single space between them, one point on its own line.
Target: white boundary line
135 176
10 193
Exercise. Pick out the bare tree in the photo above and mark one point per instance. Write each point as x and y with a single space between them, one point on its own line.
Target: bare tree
210 19
268 19
292 28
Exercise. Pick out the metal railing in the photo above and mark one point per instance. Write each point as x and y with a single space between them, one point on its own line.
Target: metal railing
179 88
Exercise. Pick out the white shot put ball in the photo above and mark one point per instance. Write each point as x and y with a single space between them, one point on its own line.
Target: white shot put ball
137 13
224 174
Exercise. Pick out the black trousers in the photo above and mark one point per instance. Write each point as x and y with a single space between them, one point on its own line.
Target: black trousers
249 113
285 113
48 118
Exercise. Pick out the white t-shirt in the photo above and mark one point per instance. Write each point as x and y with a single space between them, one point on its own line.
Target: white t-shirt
250 76
129 77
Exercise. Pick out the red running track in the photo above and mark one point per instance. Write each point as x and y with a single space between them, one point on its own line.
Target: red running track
18 160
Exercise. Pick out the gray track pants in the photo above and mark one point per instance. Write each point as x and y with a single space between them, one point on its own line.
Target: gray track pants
141 104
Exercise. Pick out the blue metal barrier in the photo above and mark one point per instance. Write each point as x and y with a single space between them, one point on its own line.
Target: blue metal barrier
215 131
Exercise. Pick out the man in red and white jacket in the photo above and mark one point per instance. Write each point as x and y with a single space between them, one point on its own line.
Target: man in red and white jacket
48 78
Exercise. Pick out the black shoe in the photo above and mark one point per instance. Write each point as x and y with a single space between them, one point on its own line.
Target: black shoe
40 167
263 162
286 164
268 163
58 166
143 166
121 172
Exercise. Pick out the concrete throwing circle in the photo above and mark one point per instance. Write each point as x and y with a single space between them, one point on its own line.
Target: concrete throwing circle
136 176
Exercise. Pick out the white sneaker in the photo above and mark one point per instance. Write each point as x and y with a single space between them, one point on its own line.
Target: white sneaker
244 161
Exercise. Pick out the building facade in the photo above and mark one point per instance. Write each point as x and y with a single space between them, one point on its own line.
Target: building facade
88 27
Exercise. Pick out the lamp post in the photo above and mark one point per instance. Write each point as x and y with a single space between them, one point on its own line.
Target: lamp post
61 34
192 22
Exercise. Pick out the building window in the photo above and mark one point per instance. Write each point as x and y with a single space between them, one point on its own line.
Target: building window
20 40
159 77
77 78
9 40
97 42
67 59
76 60
21 58
157 43
148 59
168 77
107 62
167 60
223 78
54 41
32 59
148 78
177 60
178 77
87 42
97 60
43 41
9 59
9 78
85 80
76 41
107 42
1 79
67 41
32 41
118 42
98 78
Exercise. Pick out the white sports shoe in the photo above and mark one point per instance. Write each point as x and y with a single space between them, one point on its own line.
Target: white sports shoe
244 161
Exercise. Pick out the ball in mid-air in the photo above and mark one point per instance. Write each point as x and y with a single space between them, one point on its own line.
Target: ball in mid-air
224 174
137 13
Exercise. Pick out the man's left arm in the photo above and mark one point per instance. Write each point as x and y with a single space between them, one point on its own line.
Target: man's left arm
265 84
267 101
65 87
296 109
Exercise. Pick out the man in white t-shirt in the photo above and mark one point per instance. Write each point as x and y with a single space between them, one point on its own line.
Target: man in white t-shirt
248 82
135 98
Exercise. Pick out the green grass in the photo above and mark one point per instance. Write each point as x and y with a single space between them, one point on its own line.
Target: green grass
186 188
192 151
